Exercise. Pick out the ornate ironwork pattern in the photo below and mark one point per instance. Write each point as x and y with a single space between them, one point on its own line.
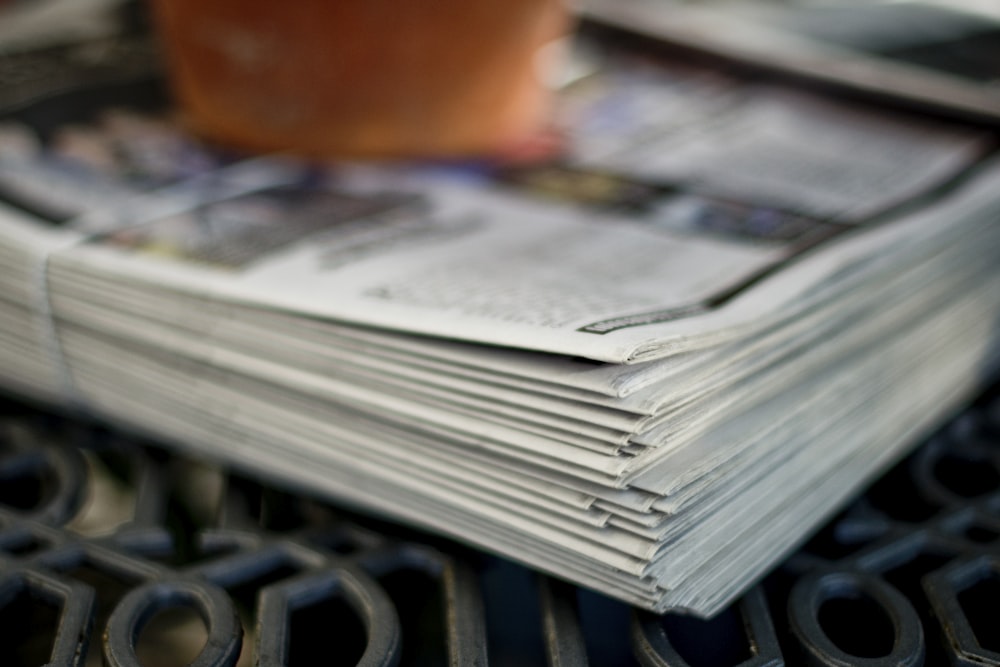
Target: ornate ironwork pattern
115 552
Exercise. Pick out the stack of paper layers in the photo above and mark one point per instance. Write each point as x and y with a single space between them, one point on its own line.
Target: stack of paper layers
642 402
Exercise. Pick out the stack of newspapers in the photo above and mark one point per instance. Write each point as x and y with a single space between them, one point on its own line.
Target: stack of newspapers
650 367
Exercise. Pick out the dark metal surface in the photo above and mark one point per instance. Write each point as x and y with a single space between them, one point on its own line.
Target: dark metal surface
115 552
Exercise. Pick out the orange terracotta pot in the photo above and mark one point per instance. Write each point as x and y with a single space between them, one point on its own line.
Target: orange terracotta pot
349 78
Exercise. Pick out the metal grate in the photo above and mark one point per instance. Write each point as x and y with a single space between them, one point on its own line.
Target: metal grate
115 552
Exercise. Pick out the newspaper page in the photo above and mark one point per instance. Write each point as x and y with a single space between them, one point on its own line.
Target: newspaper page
716 245
925 53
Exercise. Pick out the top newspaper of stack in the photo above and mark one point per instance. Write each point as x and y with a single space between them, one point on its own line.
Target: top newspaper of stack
690 209
937 54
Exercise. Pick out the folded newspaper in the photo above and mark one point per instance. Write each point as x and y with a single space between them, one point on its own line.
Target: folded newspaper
651 368
942 55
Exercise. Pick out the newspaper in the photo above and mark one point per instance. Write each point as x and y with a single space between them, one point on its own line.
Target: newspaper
625 367
928 54
715 254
